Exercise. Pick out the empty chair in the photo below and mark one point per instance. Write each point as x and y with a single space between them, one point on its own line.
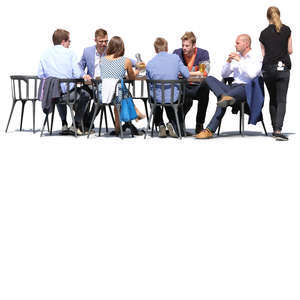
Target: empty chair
24 89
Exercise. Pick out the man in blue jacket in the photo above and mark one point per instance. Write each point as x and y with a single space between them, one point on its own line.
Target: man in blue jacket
191 57
90 63
91 56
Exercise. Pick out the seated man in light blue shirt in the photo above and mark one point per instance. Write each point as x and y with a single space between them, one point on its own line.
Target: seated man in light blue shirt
60 62
165 66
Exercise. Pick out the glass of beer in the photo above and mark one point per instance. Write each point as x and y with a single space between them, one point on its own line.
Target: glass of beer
202 67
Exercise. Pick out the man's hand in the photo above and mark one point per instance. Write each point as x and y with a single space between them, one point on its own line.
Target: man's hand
87 79
233 56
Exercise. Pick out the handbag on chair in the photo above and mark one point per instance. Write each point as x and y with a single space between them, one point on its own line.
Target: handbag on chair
128 112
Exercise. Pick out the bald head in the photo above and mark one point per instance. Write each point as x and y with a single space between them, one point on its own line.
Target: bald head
246 38
243 44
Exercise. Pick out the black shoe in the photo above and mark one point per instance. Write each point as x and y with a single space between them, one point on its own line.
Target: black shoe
114 133
199 128
125 126
187 133
134 130
280 137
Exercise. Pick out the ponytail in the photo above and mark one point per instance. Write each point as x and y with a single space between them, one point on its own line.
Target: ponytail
273 15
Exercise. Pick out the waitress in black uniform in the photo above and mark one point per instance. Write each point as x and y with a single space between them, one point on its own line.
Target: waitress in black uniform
276 47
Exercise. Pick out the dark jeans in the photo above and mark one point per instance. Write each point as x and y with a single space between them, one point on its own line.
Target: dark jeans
82 100
200 93
219 88
277 83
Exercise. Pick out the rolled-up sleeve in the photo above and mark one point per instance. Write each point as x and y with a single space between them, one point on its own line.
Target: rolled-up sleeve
77 72
41 72
227 70
183 69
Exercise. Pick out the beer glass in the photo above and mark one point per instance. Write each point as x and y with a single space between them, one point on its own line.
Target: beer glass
204 67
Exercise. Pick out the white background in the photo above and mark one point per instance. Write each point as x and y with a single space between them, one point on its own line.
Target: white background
146 219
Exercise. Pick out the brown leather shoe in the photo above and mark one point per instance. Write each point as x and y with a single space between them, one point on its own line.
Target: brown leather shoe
226 101
204 134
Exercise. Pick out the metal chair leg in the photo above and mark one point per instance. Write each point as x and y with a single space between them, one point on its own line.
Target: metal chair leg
146 109
148 123
33 115
45 121
242 114
93 119
219 128
101 118
22 114
52 119
183 124
263 124
105 118
177 121
152 128
11 112
112 115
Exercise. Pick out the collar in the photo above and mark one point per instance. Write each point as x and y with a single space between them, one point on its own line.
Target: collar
248 54
162 53
98 54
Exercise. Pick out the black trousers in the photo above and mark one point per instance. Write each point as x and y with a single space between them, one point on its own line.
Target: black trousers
277 83
83 99
200 93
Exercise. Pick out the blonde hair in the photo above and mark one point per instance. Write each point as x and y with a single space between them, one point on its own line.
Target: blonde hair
160 44
273 15
189 35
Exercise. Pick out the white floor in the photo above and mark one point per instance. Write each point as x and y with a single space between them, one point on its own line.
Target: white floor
149 219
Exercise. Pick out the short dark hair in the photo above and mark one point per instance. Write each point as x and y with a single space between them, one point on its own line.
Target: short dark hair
100 32
115 47
60 35
160 44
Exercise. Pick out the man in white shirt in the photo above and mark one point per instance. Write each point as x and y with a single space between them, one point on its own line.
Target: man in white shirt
61 62
244 67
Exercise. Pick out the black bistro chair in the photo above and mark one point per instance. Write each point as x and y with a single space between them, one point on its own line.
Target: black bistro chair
72 87
241 107
138 91
175 104
24 89
101 107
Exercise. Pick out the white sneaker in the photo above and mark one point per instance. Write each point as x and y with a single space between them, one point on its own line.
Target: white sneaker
171 129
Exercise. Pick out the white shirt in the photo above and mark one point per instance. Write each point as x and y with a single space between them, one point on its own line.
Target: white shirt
244 70
97 64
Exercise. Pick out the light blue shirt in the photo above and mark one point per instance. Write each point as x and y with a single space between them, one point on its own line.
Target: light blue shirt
165 66
59 62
